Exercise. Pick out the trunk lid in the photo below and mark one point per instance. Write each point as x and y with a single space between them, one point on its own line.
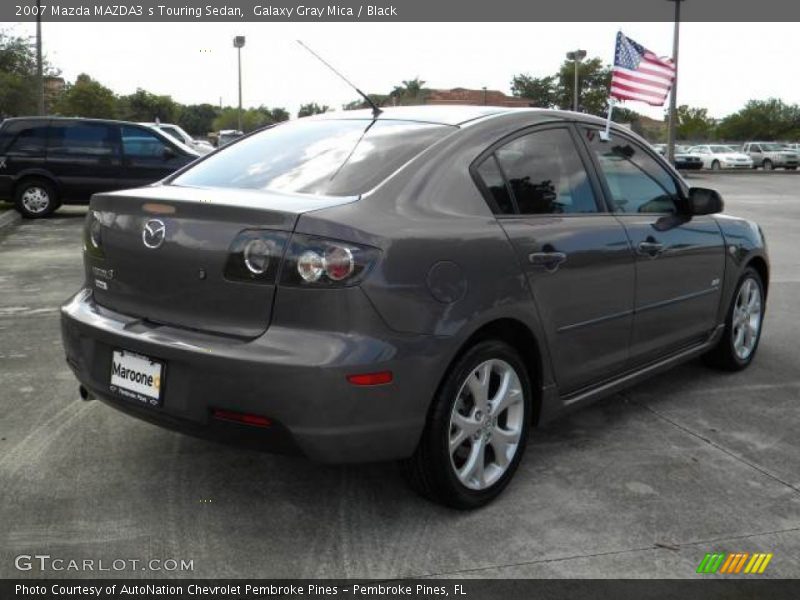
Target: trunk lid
182 281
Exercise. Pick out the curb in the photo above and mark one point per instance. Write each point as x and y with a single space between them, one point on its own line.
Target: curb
8 219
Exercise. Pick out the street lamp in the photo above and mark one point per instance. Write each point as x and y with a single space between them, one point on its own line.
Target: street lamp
39 66
673 95
576 56
484 95
238 43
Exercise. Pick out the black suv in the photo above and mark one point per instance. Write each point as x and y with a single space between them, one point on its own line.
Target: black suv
47 161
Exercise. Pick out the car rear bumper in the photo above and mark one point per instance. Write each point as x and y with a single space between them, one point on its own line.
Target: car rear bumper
295 378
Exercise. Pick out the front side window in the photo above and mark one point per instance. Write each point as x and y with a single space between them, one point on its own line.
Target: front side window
83 139
545 174
332 157
638 184
137 142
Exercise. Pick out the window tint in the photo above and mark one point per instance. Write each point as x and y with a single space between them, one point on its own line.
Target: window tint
137 142
546 174
336 157
23 138
172 132
75 138
493 179
638 184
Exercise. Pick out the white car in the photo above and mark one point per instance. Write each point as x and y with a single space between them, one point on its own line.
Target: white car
178 133
717 156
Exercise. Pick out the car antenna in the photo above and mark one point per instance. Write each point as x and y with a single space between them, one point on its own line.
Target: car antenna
375 110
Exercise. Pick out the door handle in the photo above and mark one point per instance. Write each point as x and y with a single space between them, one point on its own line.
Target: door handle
549 260
651 248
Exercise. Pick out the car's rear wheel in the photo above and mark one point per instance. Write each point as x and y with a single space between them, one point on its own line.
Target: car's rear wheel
768 166
715 166
736 349
35 198
477 429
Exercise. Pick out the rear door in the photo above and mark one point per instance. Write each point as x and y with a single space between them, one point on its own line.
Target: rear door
84 156
22 149
576 257
147 157
679 258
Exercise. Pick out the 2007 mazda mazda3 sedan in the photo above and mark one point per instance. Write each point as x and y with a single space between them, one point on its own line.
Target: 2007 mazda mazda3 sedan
421 284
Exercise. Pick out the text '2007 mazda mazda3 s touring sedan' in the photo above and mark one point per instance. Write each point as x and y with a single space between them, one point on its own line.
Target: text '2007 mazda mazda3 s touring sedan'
422 284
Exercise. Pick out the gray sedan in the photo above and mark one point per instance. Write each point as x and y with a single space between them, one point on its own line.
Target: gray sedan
421 283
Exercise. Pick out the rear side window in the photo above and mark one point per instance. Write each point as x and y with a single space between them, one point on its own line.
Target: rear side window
544 173
495 183
24 138
330 157
638 184
84 139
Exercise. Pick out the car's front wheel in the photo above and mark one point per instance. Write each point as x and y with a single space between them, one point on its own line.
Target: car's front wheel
715 166
743 324
768 166
477 429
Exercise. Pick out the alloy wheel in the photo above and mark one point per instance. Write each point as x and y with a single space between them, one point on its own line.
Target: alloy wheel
486 424
35 199
746 322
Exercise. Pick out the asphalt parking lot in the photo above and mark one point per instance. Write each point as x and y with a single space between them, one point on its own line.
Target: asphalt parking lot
642 484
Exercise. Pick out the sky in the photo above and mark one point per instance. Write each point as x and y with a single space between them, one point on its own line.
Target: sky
722 65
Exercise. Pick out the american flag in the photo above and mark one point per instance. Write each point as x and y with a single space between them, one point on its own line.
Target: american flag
639 74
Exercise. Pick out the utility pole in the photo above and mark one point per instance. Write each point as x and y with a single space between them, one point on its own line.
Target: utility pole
238 43
39 66
577 56
673 117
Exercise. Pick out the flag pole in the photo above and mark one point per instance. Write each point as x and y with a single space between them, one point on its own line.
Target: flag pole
606 135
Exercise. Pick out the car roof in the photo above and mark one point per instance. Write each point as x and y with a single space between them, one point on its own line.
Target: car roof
84 119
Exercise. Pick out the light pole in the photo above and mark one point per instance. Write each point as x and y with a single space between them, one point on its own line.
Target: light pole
577 56
484 95
674 93
238 43
39 67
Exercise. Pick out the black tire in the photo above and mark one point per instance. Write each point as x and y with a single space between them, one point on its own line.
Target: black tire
724 355
715 165
44 191
430 471
767 164
791 168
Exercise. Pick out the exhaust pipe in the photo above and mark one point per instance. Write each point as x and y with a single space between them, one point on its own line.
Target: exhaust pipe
85 394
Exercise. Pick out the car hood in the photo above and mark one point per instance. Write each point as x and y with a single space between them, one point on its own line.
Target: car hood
732 155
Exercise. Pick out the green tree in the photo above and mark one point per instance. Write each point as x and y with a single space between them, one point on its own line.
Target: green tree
594 81
693 123
147 107
539 90
198 119
18 76
252 118
312 108
378 99
770 119
86 98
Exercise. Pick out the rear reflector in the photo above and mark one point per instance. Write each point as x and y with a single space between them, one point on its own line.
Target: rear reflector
371 378
237 417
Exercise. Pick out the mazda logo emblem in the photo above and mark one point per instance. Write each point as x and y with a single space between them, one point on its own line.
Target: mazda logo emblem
153 233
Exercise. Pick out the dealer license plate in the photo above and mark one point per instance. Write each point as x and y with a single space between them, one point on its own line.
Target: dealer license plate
137 377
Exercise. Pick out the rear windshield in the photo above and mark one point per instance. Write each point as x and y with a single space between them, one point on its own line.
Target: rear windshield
327 157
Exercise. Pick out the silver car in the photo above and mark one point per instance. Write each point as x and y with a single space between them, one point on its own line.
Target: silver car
771 155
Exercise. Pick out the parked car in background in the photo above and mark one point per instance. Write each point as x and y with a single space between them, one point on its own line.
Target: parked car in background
226 136
771 155
683 159
178 133
425 284
47 161
717 156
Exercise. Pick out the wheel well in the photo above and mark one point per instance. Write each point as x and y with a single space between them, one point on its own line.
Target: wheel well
760 265
517 335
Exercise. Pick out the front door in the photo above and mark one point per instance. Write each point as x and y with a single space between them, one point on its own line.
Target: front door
679 258
576 257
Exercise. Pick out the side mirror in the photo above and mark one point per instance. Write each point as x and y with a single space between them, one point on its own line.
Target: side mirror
703 201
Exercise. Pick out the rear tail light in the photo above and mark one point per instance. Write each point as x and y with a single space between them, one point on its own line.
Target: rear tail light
93 233
317 262
255 255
